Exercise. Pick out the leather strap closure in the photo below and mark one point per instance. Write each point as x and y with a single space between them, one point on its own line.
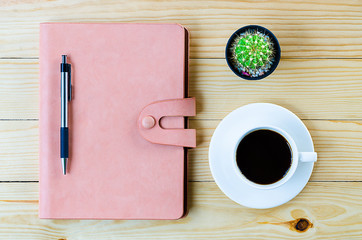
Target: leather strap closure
151 130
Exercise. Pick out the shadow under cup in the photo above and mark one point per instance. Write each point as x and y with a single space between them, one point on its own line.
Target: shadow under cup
264 157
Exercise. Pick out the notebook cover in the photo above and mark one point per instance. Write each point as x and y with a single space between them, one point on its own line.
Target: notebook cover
117 70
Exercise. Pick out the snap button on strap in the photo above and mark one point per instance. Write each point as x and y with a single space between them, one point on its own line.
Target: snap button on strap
148 122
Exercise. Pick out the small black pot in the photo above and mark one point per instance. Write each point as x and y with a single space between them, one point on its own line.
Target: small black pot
228 52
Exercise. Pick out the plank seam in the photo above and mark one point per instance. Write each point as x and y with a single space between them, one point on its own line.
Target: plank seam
289 58
200 119
191 181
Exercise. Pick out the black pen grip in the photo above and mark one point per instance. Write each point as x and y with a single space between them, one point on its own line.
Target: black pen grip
64 142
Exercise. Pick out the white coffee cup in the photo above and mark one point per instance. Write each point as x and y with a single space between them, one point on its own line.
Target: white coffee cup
296 158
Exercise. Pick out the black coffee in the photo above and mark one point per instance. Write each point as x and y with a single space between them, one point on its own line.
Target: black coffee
264 156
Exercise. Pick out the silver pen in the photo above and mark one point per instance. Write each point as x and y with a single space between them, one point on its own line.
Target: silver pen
65 94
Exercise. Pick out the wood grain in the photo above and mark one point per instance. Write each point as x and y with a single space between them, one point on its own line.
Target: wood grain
334 209
338 143
19 150
19 89
304 28
312 89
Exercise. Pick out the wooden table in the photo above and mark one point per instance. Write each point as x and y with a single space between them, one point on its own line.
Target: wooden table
319 78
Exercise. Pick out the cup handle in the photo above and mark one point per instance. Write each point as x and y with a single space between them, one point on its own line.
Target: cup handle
307 156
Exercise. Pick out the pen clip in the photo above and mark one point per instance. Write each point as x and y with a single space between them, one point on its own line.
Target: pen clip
69 82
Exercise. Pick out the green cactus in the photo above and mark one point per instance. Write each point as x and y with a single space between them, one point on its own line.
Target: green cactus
253 53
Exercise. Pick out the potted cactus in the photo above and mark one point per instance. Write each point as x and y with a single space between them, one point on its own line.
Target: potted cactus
252 52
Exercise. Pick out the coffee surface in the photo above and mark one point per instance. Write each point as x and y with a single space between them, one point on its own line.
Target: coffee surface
264 156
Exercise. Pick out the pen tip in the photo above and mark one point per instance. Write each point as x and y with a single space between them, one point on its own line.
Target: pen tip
64 165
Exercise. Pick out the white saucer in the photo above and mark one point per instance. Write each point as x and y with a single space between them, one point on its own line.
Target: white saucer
222 159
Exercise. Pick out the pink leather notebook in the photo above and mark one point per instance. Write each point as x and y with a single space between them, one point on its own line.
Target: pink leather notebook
126 121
